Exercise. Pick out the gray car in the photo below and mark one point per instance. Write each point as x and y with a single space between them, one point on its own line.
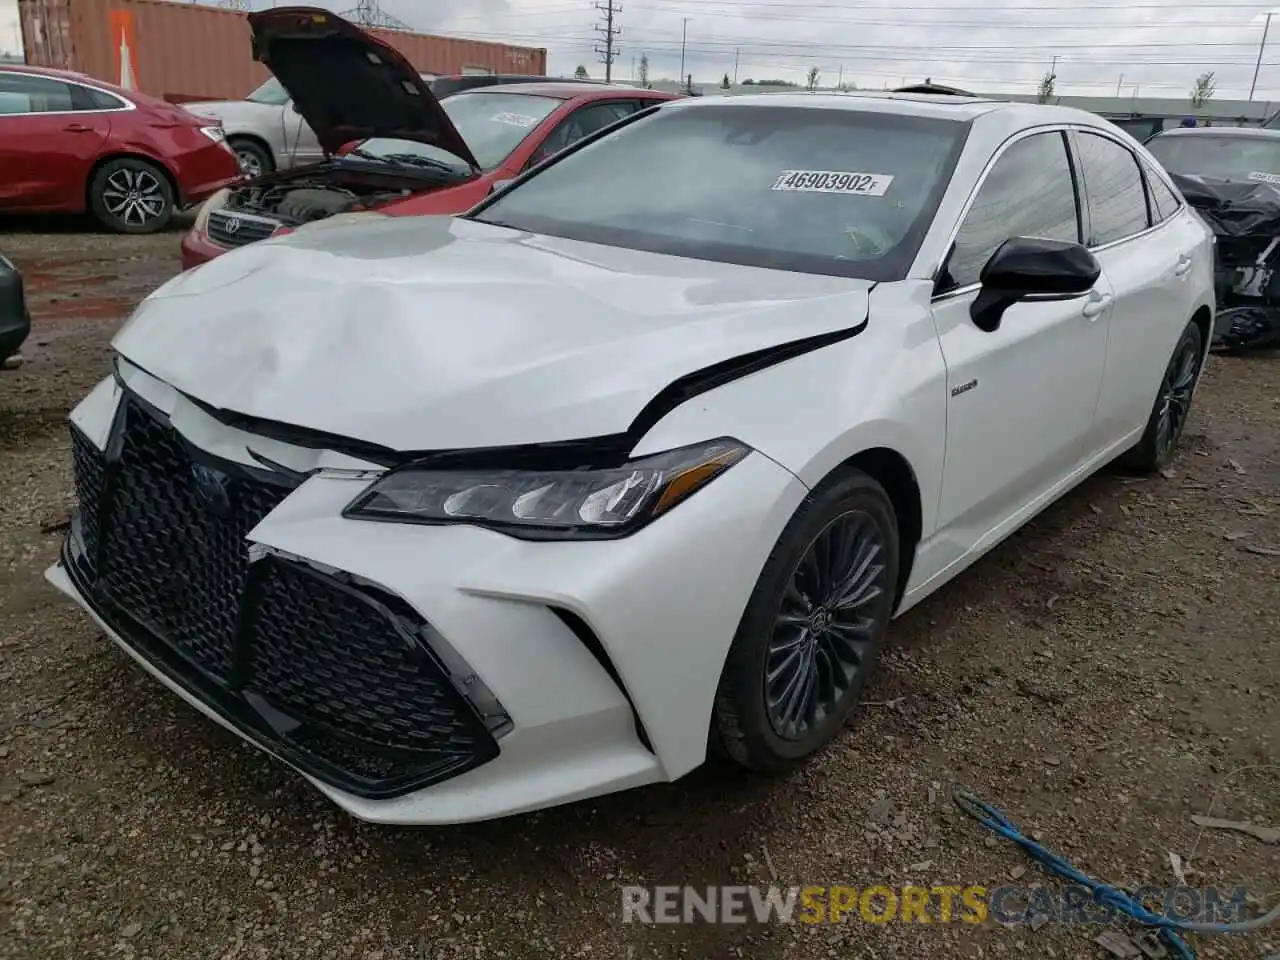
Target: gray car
268 134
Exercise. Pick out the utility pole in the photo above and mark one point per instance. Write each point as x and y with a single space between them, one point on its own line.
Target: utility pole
684 35
608 32
1262 46
736 53
840 82
1118 83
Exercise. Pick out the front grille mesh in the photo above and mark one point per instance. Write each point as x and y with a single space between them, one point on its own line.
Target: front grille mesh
329 656
298 658
175 566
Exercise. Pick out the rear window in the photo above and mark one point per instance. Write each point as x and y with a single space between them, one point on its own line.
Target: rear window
838 192
1221 157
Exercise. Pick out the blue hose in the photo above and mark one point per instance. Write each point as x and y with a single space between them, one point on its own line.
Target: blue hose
1104 894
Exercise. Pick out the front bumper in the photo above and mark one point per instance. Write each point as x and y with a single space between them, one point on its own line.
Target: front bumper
603 657
196 249
202 172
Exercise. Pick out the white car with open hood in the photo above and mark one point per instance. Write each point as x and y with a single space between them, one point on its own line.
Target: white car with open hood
461 517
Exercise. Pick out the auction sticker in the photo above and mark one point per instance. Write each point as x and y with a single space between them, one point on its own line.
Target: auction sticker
1265 177
514 119
833 181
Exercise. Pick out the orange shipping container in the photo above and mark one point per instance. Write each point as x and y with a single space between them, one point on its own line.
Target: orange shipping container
192 51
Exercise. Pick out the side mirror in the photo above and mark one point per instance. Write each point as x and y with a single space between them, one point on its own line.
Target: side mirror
1028 267
499 185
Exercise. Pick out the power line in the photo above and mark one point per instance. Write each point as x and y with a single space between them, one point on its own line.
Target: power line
368 13
608 32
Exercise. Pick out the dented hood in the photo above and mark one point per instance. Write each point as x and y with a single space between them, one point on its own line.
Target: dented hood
434 333
347 84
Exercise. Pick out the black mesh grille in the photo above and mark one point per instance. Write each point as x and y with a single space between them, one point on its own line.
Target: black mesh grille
87 467
175 566
321 671
246 230
330 656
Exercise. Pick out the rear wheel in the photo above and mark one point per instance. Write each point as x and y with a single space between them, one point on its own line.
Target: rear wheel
1172 407
131 196
813 627
255 159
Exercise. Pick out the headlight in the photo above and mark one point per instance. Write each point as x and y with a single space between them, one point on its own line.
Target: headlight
554 504
216 134
219 199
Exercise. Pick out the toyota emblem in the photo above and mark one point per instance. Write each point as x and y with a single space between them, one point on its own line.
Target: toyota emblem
233 225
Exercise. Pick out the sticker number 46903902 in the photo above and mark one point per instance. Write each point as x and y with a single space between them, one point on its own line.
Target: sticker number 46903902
833 181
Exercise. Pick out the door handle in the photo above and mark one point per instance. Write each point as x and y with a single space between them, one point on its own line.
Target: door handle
77 128
1096 306
1184 264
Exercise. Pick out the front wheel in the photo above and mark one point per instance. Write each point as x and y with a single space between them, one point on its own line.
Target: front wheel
254 159
131 196
812 629
1172 407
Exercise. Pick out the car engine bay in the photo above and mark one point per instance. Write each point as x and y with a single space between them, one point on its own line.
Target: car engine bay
296 202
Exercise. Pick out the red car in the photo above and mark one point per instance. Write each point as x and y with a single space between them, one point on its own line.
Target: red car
71 144
392 146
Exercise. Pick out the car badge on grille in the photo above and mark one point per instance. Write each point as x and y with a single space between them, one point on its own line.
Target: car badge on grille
211 485
232 225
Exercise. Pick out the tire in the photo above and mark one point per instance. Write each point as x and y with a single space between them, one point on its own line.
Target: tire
131 196
1172 406
255 159
849 505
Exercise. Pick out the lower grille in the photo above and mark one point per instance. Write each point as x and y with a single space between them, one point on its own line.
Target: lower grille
313 667
229 229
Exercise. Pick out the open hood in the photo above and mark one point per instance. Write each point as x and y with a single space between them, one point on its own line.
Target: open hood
347 84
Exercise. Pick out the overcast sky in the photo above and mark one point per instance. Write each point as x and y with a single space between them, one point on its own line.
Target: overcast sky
1148 47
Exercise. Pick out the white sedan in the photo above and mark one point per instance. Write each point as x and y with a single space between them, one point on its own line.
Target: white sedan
461 517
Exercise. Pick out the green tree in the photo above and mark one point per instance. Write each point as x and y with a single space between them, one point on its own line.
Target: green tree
1203 89
642 75
1045 93
580 73
724 83
811 81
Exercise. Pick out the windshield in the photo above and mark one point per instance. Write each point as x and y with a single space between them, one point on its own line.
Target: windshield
271 93
491 124
835 191
1219 157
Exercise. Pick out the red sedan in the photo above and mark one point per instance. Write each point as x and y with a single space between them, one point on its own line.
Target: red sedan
71 144
394 148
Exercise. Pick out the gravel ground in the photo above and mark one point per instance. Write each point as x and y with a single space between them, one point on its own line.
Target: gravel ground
1111 670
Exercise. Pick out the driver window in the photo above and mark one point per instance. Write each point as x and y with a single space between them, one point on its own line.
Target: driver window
581 123
1028 192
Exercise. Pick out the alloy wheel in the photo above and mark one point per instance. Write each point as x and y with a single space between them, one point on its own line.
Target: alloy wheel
826 624
1175 397
250 163
134 197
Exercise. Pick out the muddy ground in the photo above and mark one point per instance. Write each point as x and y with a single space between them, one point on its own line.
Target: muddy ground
1110 671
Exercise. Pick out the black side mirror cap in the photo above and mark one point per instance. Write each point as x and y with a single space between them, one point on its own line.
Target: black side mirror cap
1025 267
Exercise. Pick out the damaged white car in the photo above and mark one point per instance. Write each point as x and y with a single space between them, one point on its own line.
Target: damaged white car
462 517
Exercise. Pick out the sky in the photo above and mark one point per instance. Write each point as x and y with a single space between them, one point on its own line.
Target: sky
1149 48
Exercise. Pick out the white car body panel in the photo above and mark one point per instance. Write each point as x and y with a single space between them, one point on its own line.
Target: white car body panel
527 316
436 334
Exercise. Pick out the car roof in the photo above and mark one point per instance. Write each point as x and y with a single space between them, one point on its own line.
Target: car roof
566 90
938 106
1256 133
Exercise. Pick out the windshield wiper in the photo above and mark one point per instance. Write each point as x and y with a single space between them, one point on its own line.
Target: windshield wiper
414 160
366 155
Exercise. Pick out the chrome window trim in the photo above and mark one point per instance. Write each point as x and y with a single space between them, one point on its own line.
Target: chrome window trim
1068 128
125 105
